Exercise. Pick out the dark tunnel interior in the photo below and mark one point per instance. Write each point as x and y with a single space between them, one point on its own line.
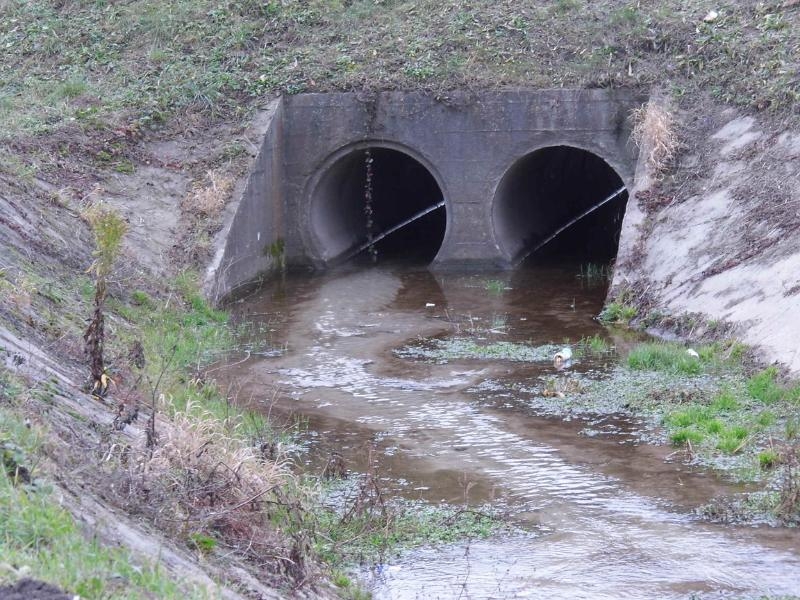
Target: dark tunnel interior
544 191
401 188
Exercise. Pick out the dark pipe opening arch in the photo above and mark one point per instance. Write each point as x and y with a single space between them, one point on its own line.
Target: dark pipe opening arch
401 187
547 188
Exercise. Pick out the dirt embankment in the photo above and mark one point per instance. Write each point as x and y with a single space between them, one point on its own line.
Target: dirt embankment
173 198
713 242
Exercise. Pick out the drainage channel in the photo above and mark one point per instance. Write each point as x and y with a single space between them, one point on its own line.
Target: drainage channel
606 516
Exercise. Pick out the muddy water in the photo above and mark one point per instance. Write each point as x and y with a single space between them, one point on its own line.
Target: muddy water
609 517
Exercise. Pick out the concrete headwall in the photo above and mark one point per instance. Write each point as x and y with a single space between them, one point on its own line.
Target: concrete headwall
254 225
468 142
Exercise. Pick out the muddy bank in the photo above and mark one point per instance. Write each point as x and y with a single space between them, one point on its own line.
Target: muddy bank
713 241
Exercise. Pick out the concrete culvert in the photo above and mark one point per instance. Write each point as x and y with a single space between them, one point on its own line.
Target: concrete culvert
401 188
547 188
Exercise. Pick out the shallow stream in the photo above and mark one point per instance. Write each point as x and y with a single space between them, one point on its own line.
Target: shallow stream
608 516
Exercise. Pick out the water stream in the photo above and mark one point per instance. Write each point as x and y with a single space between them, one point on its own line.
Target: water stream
610 517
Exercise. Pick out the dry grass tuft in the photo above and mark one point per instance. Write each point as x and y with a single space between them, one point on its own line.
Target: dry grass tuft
654 131
202 484
208 198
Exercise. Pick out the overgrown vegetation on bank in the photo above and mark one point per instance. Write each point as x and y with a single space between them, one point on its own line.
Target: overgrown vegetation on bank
168 446
40 539
133 64
715 407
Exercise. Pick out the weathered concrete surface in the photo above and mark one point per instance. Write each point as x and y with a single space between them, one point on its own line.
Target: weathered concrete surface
726 245
467 142
254 220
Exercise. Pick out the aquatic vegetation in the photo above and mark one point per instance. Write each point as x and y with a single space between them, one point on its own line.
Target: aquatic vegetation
594 273
494 286
442 350
364 526
594 345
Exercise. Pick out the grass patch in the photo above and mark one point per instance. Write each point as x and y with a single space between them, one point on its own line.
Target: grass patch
732 440
764 386
768 458
151 60
660 356
684 435
725 401
617 313
494 286
368 536
595 345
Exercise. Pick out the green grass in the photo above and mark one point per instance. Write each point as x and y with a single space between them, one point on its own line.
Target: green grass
732 439
764 386
725 401
144 61
40 537
594 345
494 286
684 435
768 458
617 313
662 356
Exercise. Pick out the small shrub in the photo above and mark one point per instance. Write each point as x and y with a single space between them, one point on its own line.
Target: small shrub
655 133
108 229
341 580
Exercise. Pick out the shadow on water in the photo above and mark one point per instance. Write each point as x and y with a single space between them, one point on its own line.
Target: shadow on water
615 518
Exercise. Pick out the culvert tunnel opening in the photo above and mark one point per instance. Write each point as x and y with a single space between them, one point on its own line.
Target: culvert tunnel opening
546 190
399 188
